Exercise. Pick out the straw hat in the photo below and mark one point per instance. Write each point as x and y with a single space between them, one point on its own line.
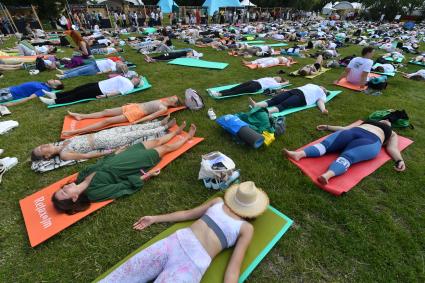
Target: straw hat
246 200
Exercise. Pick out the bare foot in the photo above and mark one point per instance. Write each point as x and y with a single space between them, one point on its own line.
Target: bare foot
77 116
296 155
246 62
171 123
251 102
192 131
323 180
181 128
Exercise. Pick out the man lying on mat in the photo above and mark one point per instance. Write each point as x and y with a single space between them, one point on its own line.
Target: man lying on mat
312 69
306 95
119 174
185 255
101 143
132 112
359 68
270 61
107 88
418 76
251 87
27 91
173 55
356 144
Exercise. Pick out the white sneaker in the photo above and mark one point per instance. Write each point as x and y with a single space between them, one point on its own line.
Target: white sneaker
4 110
211 114
215 93
7 126
6 164
1 151
50 94
47 101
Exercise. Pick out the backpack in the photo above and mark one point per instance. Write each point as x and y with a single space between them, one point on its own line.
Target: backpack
378 83
279 125
193 100
398 118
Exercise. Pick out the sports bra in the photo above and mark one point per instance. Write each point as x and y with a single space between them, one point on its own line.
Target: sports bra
224 226
384 127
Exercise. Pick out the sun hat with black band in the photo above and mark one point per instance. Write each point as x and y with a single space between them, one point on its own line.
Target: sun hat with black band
246 200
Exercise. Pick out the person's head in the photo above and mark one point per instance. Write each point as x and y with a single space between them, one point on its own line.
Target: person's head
367 52
55 84
303 72
278 79
172 101
44 151
121 67
380 69
136 80
246 200
386 121
70 200
325 90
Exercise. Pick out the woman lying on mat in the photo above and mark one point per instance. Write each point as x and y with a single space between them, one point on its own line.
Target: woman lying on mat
101 143
185 255
119 174
309 94
384 68
133 113
107 88
417 76
96 67
312 69
173 55
270 61
251 87
356 144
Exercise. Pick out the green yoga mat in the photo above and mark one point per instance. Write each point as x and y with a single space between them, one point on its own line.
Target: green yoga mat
145 85
417 63
268 230
296 109
220 88
271 45
386 74
390 59
252 42
192 62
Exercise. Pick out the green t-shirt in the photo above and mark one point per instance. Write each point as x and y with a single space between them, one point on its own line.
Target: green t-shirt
119 175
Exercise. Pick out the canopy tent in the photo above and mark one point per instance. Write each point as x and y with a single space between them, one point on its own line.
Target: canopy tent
327 9
247 3
167 5
215 5
344 5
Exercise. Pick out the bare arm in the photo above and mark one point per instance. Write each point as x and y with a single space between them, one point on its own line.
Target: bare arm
394 152
111 94
332 128
322 107
178 216
32 96
151 116
234 265
79 156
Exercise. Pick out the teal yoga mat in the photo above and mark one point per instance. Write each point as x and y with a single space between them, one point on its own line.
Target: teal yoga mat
271 45
399 60
220 88
252 42
296 109
146 85
386 74
192 62
417 63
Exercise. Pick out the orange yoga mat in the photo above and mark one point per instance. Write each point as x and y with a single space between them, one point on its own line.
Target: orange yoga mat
314 167
43 221
345 84
254 66
70 123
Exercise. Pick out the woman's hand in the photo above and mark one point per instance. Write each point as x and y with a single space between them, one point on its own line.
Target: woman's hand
400 166
322 127
144 222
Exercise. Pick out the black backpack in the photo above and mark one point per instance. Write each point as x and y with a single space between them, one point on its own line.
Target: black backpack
379 83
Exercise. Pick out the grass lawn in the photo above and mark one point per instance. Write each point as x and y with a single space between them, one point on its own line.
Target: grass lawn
374 233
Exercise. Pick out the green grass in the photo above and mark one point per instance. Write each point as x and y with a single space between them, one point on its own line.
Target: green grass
374 233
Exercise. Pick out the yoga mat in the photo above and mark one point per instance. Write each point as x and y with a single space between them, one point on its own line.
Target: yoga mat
220 88
269 228
254 66
252 42
69 123
390 59
322 70
146 85
314 167
417 63
284 52
43 221
271 45
343 83
285 112
191 62
386 74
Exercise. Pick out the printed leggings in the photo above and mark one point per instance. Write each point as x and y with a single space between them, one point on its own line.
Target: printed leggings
355 145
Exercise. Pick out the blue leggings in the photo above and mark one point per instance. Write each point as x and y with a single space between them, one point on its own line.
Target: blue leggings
355 145
85 70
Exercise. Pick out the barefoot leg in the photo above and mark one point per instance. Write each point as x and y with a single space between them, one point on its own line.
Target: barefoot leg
162 140
166 148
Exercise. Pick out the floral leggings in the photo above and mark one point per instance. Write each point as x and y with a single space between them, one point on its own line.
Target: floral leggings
179 258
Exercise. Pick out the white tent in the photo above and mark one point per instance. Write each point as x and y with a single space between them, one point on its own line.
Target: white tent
344 5
247 3
327 9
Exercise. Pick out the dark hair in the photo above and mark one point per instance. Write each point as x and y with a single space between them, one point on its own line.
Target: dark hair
302 72
60 86
35 157
367 50
417 78
69 206
380 69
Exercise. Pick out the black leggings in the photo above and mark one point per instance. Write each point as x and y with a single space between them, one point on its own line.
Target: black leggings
288 99
248 87
170 56
90 90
